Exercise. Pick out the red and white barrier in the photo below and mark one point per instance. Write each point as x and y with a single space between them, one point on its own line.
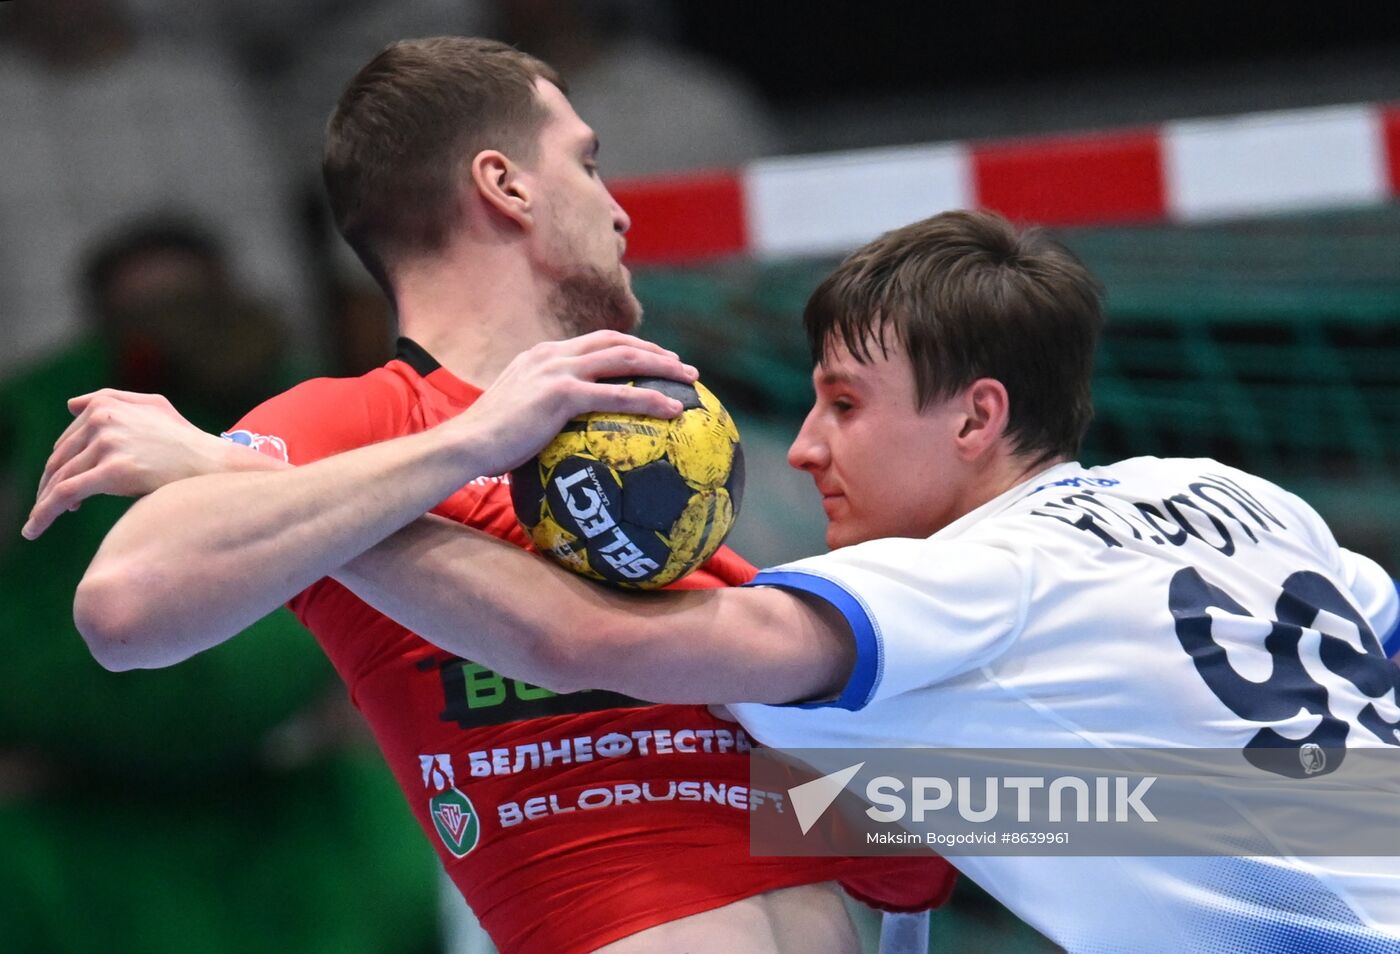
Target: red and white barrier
1188 171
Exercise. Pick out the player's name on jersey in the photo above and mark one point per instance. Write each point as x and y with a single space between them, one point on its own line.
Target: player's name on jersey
1214 510
619 794
613 745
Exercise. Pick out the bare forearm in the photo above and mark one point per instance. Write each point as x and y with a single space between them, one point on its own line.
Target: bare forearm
200 559
486 600
491 602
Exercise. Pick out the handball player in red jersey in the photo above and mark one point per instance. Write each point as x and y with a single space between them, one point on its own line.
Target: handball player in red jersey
571 822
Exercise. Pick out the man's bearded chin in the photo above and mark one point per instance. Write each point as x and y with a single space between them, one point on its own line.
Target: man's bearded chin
592 301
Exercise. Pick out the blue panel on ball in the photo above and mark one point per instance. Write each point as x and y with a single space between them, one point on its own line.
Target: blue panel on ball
735 483
527 492
654 495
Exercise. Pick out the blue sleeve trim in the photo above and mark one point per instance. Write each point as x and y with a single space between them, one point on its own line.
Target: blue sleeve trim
861 687
1391 643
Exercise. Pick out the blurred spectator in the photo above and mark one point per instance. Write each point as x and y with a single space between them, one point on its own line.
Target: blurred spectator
172 320
195 807
100 125
656 108
164 313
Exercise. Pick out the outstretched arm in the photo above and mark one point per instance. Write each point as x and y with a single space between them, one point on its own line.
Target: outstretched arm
198 560
515 613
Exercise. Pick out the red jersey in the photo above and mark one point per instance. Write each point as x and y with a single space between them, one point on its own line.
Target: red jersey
567 821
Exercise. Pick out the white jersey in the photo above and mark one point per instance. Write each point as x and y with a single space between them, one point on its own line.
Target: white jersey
1124 606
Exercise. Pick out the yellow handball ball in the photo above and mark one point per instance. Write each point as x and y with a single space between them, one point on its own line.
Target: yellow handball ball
635 501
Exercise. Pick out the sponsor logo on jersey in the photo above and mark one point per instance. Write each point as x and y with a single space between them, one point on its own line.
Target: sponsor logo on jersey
437 771
721 794
267 444
456 821
641 743
453 814
1078 482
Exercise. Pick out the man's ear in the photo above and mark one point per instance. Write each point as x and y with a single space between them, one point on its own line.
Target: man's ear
986 409
502 186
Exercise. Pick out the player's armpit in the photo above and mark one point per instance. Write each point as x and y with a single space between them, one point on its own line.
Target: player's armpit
511 611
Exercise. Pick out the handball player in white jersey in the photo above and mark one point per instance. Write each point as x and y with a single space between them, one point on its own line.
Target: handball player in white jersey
982 590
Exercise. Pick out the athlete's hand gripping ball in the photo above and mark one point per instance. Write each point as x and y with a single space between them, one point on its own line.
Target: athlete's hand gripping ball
635 501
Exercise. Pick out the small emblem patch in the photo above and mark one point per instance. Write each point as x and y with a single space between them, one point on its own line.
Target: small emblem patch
267 444
456 821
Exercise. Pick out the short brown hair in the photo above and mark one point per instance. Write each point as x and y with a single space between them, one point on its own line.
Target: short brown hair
405 129
968 296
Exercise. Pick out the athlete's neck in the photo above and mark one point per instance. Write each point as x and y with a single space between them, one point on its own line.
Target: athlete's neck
475 312
1018 470
1005 472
